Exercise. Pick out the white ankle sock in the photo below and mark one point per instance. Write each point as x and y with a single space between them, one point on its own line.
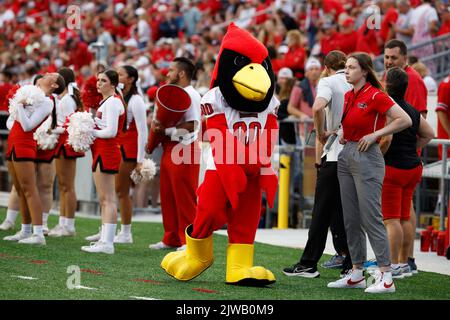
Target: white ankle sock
27 229
11 215
70 223
110 232
44 218
387 276
102 233
38 230
126 229
62 221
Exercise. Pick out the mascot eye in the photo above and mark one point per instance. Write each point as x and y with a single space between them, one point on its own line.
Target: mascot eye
240 61
265 65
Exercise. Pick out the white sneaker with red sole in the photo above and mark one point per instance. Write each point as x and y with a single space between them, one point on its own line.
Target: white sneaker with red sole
383 283
353 279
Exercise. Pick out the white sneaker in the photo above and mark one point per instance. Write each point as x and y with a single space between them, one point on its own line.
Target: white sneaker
34 239
17 237
68 232
183 247
56 232
123 238
397 273
45 230
406 270
95 237
383 283
160 246
348 282
6 225
99 247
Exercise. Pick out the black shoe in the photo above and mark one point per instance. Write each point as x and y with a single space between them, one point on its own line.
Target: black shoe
412 265
298 270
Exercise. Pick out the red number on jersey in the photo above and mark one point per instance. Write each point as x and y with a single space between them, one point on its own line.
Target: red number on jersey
207 109
240 130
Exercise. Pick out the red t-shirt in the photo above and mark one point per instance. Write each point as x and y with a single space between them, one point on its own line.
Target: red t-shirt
389 20
366 40
443 105
364 112
347 42
416 93
294 59
445 28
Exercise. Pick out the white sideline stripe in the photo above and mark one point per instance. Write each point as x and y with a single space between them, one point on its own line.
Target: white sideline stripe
144 298
85 288
24 277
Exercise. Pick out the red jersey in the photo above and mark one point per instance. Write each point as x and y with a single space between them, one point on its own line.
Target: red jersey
364 111
443 105
416 93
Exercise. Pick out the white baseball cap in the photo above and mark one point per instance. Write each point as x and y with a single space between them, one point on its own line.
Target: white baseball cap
312 62
285 73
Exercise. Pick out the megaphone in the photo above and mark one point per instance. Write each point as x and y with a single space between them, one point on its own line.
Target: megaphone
171 103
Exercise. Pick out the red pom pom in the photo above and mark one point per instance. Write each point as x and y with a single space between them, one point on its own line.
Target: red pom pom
10 95
89 95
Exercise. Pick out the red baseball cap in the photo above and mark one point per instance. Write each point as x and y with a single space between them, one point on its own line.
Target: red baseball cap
348 22
151 92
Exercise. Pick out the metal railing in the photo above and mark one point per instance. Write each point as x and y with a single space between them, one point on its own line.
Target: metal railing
440 170
441 57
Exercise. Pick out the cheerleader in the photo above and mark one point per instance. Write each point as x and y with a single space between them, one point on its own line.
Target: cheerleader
70 102
132 140
106 157
45 170
21 156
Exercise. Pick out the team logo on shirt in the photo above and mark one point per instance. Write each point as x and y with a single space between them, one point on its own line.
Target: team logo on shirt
362 105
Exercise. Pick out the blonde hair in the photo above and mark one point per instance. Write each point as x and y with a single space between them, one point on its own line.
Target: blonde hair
420 68
296 36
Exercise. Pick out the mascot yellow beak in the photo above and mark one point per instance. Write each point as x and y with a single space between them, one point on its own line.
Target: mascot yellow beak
252 82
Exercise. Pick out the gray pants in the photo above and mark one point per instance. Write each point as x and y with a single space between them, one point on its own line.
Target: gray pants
361 178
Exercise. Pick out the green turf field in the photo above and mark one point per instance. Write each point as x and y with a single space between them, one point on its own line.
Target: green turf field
134 271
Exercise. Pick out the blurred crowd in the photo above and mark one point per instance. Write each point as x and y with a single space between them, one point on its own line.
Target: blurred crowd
42 36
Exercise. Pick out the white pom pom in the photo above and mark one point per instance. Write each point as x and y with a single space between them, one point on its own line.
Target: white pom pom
148 171
28 96
81 131
136 177
45 140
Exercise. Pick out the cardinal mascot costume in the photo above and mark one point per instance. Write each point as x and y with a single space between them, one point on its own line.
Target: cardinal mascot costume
241 125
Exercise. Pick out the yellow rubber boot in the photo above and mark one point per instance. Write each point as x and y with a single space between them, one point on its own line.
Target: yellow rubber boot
187 264
240 269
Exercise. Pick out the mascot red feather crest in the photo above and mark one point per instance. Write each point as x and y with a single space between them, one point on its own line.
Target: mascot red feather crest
241 123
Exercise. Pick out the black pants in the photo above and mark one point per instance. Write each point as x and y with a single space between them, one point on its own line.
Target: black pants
327 213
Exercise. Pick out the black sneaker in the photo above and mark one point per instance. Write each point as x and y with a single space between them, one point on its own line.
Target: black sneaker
412 265
298 270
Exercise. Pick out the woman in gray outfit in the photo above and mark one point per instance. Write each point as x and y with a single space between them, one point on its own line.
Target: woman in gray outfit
361 171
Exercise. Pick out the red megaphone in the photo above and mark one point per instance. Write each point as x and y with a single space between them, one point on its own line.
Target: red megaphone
172 102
